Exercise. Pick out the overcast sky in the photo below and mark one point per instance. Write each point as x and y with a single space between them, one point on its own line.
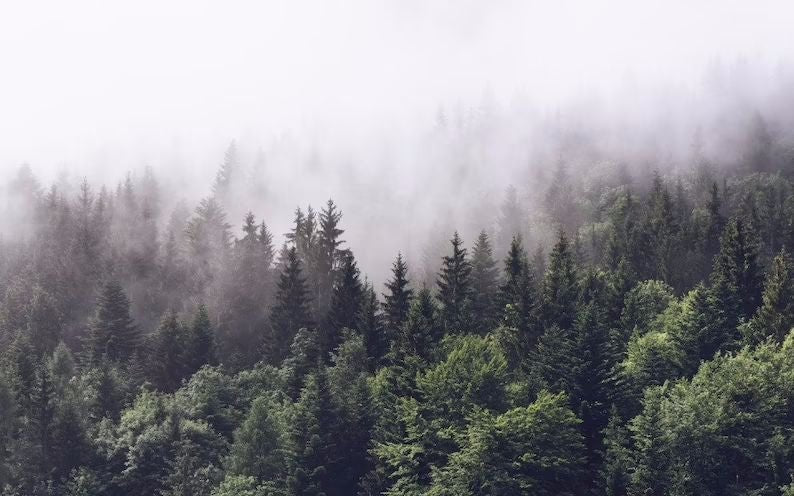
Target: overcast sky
85 81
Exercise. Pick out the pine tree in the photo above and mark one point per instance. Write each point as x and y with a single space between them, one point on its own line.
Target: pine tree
259 449
615 473
422 331
369 323
331 258
200 342
291 309
44 321
247 292
454 289
166 367
559 289
112 334
345 303
397 301
518 297
227 174
208 241
775 316
484 283
715 222
314 428
736 279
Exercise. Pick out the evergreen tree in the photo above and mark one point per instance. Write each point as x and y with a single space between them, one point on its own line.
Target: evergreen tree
331 259
422 331
44 321
167 367
200 342
518 297
775 316
259 448
312 433
112 334
345 303
291 309
397 300
369 323
736 279
484 284
615 473
454 289
559 290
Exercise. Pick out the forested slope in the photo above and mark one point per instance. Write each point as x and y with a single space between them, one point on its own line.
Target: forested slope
645 351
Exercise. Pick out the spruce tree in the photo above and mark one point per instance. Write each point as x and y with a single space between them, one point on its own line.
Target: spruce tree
484 283
166 367
112 334
369 323
397 300
200 342
559 290
260 447
330 258
313 431
345 303
775 317
291 309
454 289
422 331
615 473
517 296
736 279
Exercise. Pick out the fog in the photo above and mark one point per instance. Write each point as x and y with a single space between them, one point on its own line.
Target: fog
415 116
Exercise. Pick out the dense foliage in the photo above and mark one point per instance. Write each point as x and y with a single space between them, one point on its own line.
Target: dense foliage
649 353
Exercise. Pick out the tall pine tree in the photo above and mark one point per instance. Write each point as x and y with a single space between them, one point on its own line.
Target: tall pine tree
454 289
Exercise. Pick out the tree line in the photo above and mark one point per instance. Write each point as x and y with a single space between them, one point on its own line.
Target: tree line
649 353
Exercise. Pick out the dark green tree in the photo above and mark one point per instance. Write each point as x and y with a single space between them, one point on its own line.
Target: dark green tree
559 290
199 347
397 299
345 303
484 284
454 289
291 309
112 334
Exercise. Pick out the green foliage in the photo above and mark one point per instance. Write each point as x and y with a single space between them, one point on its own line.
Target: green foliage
775 317
454 289
527 450
112 334
484 284
291 309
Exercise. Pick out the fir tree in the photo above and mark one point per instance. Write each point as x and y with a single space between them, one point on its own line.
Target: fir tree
518 297
313 430
454 289
345 303
736 279
484 283
291 309
559 289
112 334
397 300
422 331
166 366
775 316
200 342
369 323
331 259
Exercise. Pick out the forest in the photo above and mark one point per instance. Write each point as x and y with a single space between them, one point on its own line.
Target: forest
645 350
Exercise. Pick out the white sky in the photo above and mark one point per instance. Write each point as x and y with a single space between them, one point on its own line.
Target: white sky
84 81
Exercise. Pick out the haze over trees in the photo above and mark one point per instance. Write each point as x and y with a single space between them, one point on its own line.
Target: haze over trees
627 338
